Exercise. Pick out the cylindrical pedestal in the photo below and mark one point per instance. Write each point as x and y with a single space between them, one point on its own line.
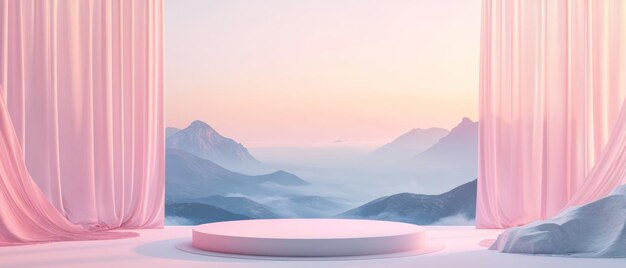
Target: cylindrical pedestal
308 237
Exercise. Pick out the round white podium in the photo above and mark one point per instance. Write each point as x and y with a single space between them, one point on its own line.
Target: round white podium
310 238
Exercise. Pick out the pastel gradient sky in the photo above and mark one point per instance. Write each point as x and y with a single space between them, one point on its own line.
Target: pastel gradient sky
313 72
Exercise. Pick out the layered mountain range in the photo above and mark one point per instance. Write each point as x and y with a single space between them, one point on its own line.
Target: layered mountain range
189 176
205 173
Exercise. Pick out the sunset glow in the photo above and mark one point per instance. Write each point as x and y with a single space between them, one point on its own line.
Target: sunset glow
317 73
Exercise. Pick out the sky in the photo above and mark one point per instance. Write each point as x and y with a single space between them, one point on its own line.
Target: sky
314 73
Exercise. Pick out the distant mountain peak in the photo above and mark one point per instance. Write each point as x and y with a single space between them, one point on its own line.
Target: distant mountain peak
280 172
196 124
408 144
466 121
281 177
203 141
423 130
459 146
465 125
203 128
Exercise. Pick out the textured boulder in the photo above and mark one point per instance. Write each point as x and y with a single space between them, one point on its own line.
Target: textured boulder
597 229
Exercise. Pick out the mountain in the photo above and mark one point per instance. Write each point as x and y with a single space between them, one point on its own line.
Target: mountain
280 177
188 176
451 161
313 201
203 141
457 206
196 213
237 205
459 146
409 144
170 131
305 206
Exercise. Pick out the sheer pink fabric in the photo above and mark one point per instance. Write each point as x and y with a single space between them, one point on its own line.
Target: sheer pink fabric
26 215
552 83
610 168
83 83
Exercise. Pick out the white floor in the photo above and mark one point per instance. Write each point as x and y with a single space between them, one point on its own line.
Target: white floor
155 248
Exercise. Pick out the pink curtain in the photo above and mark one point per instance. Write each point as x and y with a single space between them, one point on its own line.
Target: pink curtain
552 83
83 82
26 215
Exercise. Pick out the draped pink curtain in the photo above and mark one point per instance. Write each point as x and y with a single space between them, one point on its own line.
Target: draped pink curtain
26 215
83 82
552 83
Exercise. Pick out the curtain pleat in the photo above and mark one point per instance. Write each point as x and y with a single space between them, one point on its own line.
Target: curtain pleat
83 86
27 216
552 83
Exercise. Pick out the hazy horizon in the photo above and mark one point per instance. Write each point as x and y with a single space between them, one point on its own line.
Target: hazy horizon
306 74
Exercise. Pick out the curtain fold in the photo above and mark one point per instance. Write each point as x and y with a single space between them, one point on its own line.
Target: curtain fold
610 168
84 90
27 216
552 83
